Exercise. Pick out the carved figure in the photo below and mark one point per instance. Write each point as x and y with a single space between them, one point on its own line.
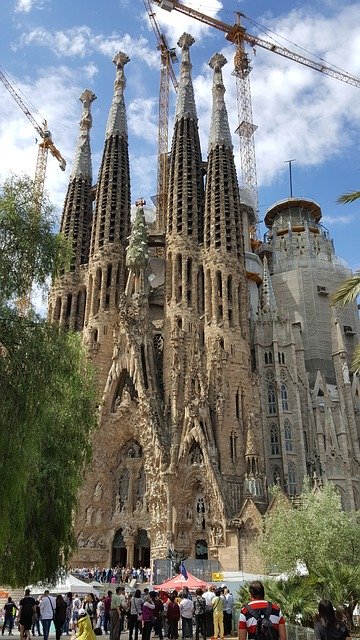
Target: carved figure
183 538
200 513
176 557
88 514
98 492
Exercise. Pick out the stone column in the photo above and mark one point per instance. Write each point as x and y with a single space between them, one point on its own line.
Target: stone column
129 542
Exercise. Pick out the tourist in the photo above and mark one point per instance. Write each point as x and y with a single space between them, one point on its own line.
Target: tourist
100 613
89 605
329 627
199 612
148 617
76 606
186 612
228 611
159 612
173 616
107 607
84 629
217 604
115 614
135 615
69 607
59 615
259 606
9 615
36 620
47 610
208 597
27 609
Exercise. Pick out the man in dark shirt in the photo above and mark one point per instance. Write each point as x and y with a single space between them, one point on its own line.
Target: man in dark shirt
107 607
9 616
27 608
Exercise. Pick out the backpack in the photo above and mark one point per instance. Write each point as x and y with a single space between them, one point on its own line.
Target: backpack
265 629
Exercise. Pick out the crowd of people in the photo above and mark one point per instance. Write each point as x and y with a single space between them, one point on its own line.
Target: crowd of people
206 614
113 575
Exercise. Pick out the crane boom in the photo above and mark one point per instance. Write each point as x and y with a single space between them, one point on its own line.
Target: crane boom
167 73
234 31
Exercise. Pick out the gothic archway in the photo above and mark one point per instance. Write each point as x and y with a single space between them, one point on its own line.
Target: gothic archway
119 551
142 549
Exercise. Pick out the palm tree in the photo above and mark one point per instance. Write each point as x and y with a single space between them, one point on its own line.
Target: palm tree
350 288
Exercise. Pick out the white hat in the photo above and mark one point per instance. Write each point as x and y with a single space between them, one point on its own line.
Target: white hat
82 612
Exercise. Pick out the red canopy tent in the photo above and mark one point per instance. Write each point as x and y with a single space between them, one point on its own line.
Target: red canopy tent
178 582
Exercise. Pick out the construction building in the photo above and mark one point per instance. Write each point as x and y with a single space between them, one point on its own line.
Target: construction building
222 366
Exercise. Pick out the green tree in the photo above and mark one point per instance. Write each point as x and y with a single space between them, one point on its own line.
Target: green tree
47 404
316 531
350 288
29 249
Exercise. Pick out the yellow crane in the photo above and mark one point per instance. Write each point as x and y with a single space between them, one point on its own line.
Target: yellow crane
238 35
46 143
167 58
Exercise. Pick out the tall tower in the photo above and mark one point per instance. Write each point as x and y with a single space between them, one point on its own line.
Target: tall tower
111 228
232 391
68 295
184 309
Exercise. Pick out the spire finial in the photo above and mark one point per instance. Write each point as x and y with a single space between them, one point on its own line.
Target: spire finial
219 128
185 103
267 300
82 159
117 115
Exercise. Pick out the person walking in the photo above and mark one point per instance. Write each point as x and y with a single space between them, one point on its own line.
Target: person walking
257 607
59 615
329 627
47 611
107 607
9 615
115 614
84 630
27 609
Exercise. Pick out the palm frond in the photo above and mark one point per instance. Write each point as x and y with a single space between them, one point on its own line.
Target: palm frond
346 198
347 291
355 365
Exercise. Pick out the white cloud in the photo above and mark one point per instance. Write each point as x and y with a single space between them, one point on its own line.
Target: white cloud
82 42
347 219
25 6
139 112
175 23
300 113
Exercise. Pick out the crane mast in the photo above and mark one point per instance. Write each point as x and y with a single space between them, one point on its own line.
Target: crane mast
238 35
167 58
46 144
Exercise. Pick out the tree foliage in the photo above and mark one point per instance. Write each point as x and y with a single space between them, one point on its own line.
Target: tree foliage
47 409
30 250
316 531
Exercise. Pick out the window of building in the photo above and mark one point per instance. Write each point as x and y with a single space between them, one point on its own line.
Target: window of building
292 484
281 357
268 357
288 436
274 440
284 397
271 398
276 475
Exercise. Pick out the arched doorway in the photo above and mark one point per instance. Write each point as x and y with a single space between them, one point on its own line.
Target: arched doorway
201 550
142 549
119 551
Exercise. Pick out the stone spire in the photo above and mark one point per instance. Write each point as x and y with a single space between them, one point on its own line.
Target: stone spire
112 207
117 115
82 161
223 228
185 103
77 213
219 128
268 306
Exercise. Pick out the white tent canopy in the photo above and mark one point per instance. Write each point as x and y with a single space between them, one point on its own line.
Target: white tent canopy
64 585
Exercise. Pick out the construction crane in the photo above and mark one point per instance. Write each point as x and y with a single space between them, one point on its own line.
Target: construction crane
46 143
238 35
168 58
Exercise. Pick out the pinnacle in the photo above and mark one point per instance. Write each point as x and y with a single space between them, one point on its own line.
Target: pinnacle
185 41
87 96
121 59
217 61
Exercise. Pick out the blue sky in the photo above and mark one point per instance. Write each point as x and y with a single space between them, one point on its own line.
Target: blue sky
53 50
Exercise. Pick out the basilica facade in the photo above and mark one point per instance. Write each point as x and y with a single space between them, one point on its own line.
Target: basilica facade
221 365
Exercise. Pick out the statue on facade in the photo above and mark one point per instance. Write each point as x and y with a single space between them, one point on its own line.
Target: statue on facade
176 558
